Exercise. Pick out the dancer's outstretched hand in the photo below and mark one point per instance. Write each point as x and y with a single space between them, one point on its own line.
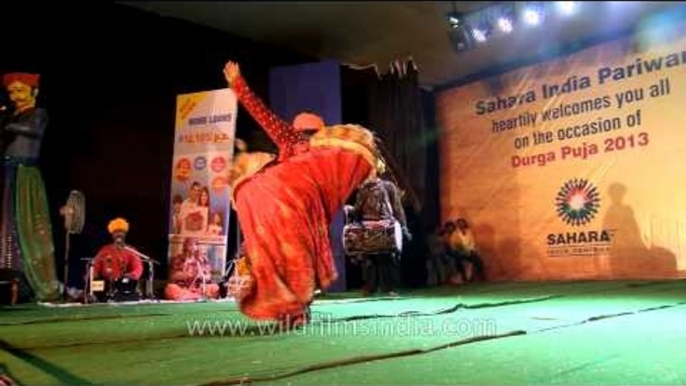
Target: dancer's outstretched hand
231 72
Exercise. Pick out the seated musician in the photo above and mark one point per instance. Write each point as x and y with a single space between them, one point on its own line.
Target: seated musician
117 261
190 277
462 247
378 200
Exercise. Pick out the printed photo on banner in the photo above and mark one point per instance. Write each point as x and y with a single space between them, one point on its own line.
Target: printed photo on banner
210 256
200 195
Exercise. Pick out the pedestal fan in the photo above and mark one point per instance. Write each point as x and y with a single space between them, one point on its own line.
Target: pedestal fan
74 212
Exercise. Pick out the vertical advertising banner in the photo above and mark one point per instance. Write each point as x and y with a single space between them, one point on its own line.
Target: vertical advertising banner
200 194
573 168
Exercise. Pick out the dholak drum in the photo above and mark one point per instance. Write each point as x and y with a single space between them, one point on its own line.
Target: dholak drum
125 290
371 237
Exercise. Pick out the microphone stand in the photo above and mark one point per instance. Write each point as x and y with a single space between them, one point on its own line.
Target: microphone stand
200 267
151 264
88 293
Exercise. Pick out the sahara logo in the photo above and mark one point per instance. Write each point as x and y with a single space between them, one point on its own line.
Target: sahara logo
577 202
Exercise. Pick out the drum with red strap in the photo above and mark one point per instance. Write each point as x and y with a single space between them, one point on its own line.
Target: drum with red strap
372 237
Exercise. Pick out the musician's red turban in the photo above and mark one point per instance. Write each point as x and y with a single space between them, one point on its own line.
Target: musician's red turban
23 77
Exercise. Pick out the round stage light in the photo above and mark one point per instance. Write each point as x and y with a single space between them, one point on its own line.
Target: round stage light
505 25
566 7
532 17
479 35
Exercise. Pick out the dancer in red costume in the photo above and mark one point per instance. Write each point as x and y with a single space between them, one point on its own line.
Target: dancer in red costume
285 205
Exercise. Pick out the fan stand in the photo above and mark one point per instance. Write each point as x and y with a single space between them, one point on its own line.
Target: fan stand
65 292
74 216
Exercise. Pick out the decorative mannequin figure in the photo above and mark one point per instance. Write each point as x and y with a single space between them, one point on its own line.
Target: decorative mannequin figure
26 245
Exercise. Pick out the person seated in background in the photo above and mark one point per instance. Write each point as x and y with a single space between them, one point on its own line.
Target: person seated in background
190 277
438 262
458 274
117 261
463 248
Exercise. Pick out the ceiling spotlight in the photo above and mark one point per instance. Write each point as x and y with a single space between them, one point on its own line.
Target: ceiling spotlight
566 7
479 35
532 16
453 21
460 39
505 24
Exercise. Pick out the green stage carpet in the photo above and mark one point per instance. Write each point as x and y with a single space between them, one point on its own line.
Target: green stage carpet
600 333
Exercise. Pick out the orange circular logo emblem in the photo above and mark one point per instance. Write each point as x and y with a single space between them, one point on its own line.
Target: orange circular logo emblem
218 164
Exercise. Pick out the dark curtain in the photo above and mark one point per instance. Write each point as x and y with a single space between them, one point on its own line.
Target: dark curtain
395 107
431 209
396 116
